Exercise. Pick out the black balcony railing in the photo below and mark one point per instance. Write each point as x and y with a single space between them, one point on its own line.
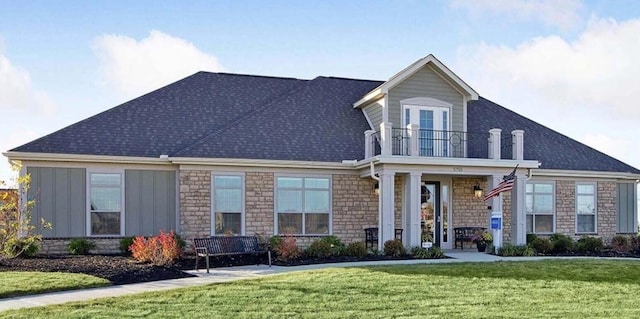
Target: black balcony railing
438 143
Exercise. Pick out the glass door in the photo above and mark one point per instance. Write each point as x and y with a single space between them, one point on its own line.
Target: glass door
433 123
430 217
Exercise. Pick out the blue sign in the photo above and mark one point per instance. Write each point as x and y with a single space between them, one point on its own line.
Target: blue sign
496 223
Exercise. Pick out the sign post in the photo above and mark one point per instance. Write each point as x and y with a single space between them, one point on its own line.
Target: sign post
496 229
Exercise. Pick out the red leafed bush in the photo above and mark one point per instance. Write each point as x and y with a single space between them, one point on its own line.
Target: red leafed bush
159 250
287 249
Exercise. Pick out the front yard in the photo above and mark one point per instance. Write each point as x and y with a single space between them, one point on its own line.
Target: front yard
17 283
538 289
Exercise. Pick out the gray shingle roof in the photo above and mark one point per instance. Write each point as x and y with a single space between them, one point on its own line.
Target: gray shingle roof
219 115
552 149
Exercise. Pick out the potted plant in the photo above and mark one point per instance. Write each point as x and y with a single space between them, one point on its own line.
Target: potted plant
482 239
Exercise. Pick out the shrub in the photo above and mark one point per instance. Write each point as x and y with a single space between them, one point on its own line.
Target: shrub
356 249
531 238
326 247
541 245
159 250
80 246
319 249
394 248
275 242
21 247
287 249
561 243
620 243
589 244
125 243
435 253
419 252
510 250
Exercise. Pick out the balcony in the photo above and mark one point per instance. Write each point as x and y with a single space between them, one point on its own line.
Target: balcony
412 141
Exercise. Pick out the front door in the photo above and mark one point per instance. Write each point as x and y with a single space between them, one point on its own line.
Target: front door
430 216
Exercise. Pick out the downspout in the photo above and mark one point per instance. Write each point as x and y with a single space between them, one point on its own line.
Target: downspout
377 179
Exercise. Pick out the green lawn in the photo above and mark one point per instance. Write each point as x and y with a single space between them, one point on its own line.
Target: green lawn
17 283
539 289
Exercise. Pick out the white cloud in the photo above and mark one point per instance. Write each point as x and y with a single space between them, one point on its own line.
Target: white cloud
564 14
582 88
135 67
17 92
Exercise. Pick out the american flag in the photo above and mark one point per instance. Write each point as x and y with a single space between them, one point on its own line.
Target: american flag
505 185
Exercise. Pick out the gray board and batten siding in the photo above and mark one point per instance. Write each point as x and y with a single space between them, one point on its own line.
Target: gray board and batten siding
626 208
150 202
426 83
60 197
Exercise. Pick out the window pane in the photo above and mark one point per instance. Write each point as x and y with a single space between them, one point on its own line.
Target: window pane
529 188
228 223
316 183
105 179
543 204
289 182
105 199
544 223
586 223
289 201
228 200
316 201
529 203
585 189
105 223
317 223
290 223
529 224
585 204
228 181
543 188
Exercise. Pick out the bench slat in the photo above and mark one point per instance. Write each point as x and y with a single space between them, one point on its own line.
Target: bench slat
227 245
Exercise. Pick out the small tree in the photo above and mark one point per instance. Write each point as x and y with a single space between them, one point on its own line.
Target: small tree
17 233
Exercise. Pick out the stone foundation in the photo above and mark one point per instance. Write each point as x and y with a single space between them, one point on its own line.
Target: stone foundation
58 246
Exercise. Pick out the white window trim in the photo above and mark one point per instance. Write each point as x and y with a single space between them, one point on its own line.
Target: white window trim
213 204
275 202
553 205
88 199
595 204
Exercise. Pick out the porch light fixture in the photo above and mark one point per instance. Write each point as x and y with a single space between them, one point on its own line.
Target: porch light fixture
477 191
376 188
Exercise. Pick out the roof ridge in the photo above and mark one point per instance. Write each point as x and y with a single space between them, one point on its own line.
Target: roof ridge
245 115
255 75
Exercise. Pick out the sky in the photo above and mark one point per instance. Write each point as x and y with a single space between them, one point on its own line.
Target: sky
569 65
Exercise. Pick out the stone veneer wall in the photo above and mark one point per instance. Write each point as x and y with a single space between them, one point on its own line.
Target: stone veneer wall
355 207
259 207
467 210
606 210
566 207
58 246
506 216
397 200
195 204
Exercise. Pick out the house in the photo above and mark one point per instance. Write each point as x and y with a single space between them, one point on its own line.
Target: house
219 153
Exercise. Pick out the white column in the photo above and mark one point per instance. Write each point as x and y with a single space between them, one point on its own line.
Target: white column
518 211
517 138
412 223
494 143
386 230
385 132
495 202
368 143
413 139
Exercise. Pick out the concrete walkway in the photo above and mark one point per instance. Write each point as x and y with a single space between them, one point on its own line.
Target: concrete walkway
228 274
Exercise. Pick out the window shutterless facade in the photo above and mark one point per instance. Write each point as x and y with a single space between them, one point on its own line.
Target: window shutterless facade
106 198
227 205
586 208
540 207
303 205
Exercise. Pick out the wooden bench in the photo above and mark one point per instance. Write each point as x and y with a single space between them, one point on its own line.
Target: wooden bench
465 234
371 236
227 245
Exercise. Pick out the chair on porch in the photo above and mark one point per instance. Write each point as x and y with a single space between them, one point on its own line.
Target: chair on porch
371 236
